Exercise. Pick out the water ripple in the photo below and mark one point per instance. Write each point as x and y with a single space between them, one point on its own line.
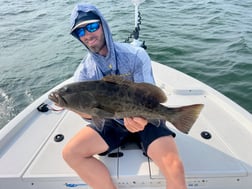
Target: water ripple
210 40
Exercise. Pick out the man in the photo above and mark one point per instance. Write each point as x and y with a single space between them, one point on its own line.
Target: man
106 57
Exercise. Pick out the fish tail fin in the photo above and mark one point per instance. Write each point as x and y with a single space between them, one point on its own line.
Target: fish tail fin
184 117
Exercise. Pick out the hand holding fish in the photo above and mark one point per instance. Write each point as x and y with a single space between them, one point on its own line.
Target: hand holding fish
135 124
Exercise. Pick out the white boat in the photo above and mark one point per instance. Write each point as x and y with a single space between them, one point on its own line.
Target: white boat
216 153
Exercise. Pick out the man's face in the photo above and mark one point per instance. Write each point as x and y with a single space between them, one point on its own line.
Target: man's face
95 41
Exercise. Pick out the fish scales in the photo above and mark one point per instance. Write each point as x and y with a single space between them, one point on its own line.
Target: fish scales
122 98
114 97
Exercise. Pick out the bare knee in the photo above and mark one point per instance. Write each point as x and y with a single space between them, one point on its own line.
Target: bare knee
167 158
71 152
174 163
83 145
65 153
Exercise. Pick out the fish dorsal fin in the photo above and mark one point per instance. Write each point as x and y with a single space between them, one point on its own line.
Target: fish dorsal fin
117 79
153 91
147 88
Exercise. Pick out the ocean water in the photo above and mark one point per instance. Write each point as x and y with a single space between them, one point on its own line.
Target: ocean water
210 40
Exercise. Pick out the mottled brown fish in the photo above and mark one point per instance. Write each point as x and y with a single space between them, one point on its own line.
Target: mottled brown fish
114 98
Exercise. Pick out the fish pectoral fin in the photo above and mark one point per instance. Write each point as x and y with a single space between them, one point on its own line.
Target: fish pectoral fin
98 117
98 122
97 112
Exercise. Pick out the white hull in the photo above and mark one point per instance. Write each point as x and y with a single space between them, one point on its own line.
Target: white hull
30 158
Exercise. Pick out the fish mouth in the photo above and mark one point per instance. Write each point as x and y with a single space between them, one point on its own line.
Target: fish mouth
56 98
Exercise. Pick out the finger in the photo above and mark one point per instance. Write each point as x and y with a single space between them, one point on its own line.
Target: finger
131 125
134 125
140 121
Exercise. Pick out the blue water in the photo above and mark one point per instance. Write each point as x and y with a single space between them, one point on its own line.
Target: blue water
209 40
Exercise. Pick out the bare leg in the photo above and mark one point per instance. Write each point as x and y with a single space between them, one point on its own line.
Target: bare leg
164 153
78 153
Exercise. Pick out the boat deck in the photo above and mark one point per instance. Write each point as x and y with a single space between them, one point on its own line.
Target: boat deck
222 161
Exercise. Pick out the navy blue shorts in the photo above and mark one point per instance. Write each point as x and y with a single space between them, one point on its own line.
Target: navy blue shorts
115 134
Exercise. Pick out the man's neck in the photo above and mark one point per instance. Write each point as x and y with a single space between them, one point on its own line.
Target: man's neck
104 51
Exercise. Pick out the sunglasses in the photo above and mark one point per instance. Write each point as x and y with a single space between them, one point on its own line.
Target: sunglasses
89 27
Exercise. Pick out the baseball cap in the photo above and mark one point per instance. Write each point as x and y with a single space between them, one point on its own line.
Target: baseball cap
85 18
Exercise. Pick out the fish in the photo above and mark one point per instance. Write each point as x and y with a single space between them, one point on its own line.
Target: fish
114 97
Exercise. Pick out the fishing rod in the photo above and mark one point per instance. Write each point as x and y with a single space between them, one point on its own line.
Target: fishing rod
135 33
